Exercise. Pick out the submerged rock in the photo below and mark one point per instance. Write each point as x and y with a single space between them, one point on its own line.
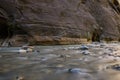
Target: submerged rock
77 70
116 67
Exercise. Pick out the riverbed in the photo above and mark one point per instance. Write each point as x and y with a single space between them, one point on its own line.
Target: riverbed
94 61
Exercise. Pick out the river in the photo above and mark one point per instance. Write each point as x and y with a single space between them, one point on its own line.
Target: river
95 61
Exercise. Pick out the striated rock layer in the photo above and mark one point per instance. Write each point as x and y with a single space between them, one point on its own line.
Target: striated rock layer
59 21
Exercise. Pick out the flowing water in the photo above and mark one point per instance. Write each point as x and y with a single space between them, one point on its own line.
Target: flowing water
95 61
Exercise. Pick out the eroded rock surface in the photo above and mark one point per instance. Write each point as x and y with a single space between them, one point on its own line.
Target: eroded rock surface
62 21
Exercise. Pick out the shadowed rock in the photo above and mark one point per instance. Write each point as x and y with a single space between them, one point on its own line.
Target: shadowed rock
61 22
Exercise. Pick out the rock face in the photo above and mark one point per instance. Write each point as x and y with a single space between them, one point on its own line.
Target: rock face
61 21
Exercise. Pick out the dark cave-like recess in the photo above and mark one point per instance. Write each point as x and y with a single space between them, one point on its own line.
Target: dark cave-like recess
4 31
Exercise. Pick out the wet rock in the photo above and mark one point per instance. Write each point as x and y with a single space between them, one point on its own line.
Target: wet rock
36 51
77 70
85 52
102 45
111 50
60 66
116 67
77 47
22 51
83 47
26 49
73 70
71 74
44 59
20 78
62 56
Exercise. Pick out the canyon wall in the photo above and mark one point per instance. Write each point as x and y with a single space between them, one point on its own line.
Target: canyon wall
59 21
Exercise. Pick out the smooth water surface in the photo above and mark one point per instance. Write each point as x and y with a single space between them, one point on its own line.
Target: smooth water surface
65 62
